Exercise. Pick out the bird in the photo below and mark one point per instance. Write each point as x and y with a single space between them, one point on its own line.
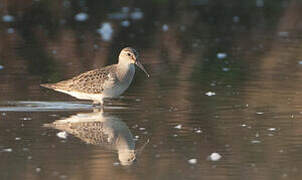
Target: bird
106 82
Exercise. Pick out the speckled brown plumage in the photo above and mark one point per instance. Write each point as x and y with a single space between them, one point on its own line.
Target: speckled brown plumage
89 82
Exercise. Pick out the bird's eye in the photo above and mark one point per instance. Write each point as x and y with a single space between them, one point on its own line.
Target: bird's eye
128 54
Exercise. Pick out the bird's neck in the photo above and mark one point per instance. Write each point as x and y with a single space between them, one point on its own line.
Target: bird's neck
125 70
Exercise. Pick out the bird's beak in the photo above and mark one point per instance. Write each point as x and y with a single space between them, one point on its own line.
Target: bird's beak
141 67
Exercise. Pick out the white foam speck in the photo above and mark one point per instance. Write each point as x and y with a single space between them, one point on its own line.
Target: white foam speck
62 134
125 23
198 131
136 15
1 67
271 129
214 156
17 138
192 161
142 129
243 125
7 150
259 113
26 118
225 69
179 126
8 18
255 141
165 27
221 55
210 93
38 170
81 16
105 31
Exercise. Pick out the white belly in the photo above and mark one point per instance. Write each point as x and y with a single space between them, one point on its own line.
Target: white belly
79 95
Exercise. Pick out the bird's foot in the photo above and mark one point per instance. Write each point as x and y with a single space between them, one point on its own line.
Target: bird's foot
97 104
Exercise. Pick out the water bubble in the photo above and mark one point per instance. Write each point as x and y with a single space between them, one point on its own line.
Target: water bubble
105 31
221 55
8 18
7 150
210 93
165 27
136 15
255 141
125 23
62 134
225 69
271 129
214 156
198 131
179 126
38 170
81 17
192 161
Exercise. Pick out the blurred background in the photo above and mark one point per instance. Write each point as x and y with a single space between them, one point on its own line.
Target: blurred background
225 78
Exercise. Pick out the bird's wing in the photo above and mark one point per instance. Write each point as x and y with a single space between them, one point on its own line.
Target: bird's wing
93 81
89 82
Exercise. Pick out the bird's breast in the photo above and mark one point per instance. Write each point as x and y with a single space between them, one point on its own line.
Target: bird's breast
119 82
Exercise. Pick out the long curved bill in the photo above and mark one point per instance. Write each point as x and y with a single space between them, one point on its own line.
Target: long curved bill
141 67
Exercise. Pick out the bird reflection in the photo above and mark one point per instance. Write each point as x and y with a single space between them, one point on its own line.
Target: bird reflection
99 129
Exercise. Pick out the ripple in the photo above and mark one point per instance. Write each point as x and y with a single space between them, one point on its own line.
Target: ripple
33 106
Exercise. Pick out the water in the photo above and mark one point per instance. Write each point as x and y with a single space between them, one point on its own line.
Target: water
225 82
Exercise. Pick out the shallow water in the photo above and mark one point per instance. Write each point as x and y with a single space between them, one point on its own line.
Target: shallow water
225 78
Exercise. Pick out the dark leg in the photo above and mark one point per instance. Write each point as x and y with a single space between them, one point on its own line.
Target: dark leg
98 104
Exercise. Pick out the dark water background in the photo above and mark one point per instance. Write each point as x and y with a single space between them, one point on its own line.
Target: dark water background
225 78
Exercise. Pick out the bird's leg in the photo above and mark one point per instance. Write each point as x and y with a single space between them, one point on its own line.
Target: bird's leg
98 104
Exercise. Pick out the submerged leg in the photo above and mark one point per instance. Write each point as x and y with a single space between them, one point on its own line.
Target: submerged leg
98 104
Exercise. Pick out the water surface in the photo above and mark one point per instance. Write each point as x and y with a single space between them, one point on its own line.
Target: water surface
225 78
